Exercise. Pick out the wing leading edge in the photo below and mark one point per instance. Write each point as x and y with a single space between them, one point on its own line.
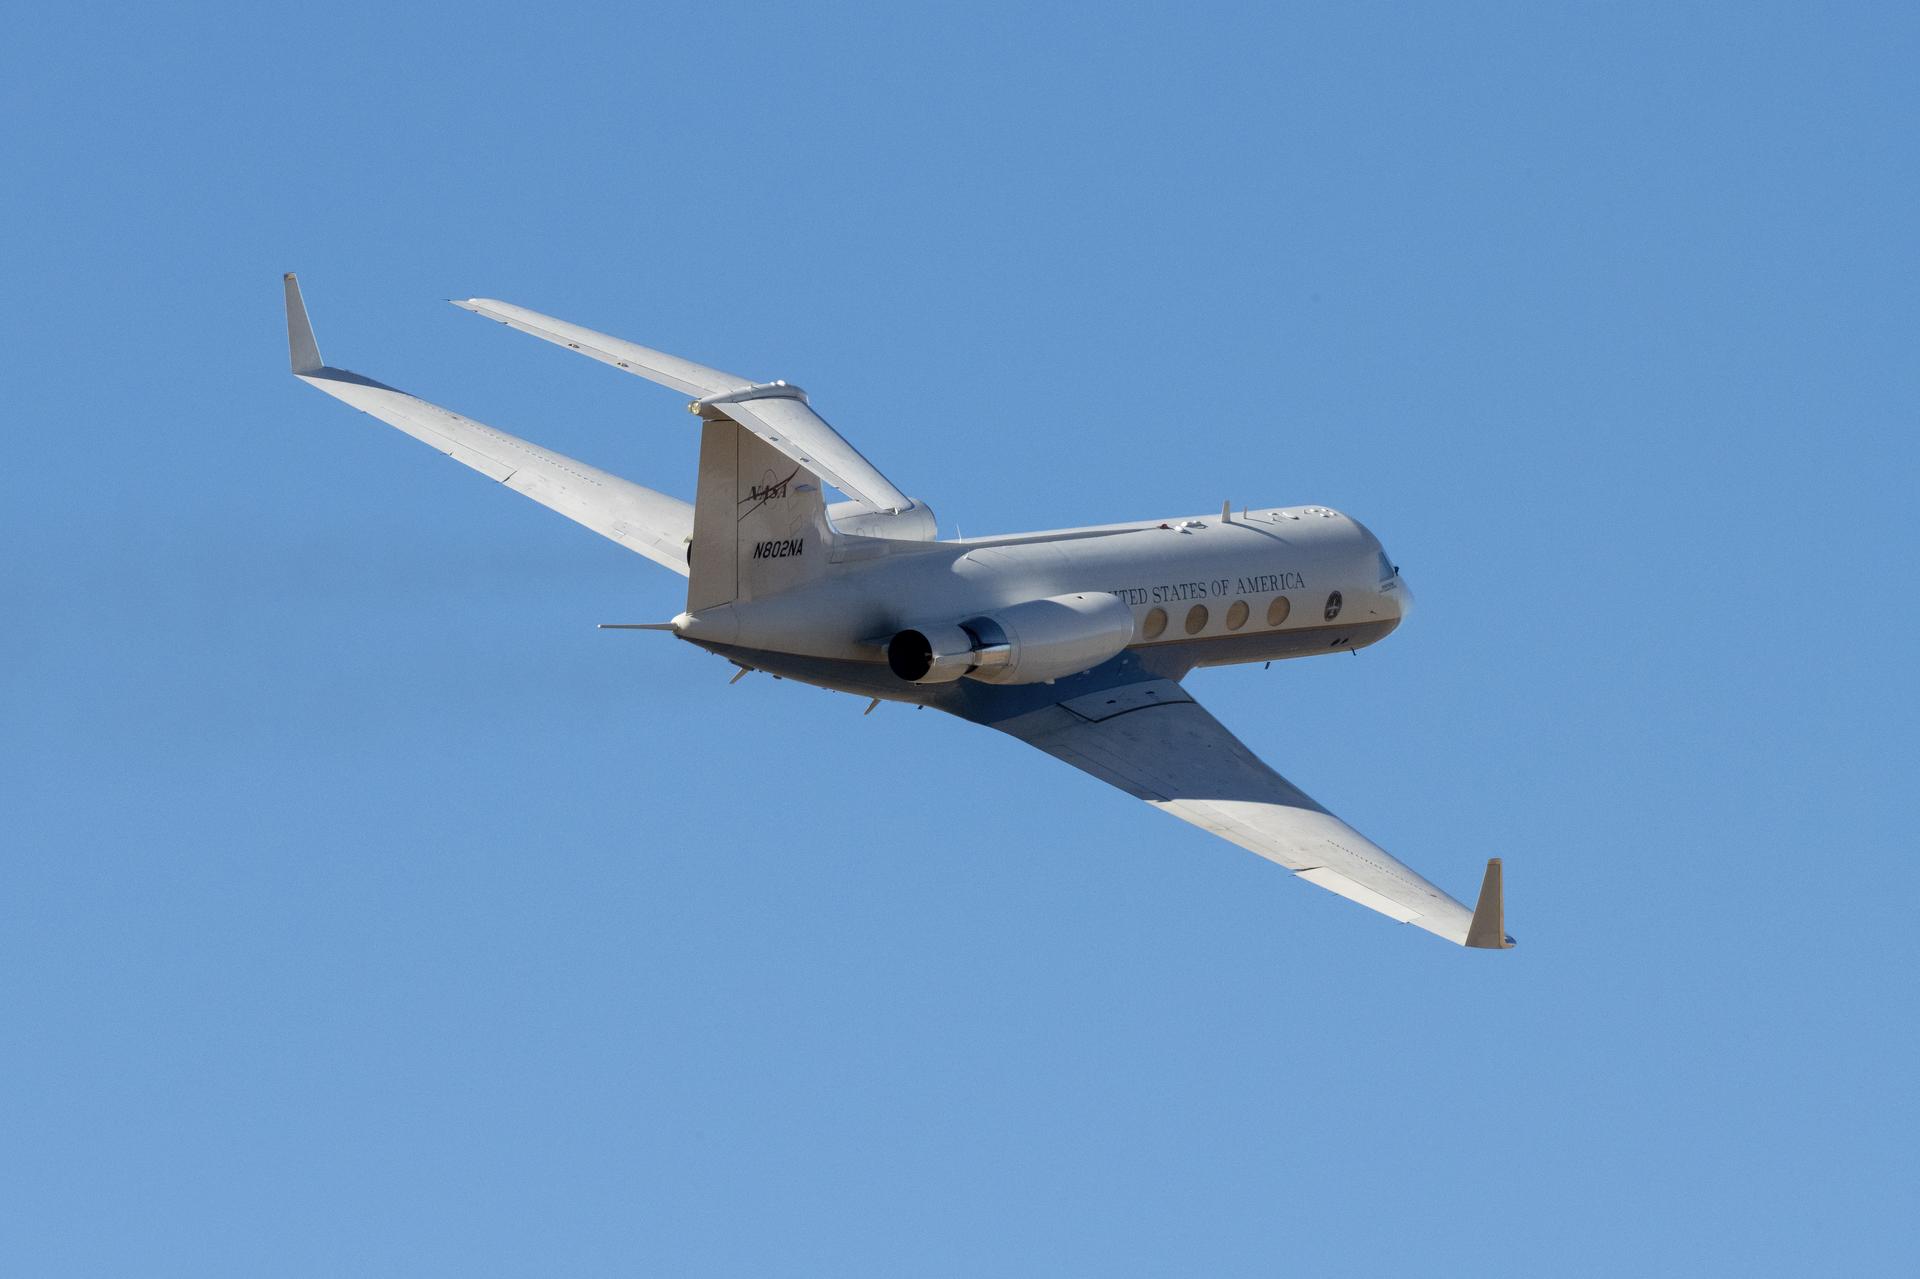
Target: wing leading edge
653 524
1152 740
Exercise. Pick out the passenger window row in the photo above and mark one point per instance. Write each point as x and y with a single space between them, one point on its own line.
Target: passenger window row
1154 624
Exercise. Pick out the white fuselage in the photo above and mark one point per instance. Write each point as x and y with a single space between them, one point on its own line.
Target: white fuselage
1310 579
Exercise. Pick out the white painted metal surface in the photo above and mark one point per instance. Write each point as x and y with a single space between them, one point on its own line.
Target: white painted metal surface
1073 640
774 411
657 526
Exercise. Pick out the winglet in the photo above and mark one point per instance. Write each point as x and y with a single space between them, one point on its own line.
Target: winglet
300 344
1488 930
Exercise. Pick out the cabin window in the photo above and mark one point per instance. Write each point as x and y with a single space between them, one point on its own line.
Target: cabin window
1196 619
1154 625
1333 606
1237 615
1278 610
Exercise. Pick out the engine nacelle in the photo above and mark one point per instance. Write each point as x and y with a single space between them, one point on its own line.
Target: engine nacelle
1026 643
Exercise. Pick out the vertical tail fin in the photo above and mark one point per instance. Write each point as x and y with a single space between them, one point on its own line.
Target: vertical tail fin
759 520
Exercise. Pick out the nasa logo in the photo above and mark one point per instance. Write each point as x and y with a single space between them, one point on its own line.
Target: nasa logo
771 490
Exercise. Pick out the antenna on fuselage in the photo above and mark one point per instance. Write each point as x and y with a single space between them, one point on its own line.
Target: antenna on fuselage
1226 512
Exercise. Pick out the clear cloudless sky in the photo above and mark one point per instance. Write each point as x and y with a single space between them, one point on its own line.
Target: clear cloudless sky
365 911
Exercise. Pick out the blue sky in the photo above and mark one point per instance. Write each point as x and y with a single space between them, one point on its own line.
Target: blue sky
366 911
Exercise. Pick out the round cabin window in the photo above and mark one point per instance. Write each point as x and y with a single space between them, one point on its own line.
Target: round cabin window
1278 610
1154 625
1196 619
1237 615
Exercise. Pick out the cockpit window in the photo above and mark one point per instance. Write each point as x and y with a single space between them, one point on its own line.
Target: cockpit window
1387 570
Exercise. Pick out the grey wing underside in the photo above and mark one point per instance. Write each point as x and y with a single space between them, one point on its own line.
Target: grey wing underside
640 519
1152 740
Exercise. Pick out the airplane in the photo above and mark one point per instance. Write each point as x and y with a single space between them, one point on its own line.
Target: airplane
1073 640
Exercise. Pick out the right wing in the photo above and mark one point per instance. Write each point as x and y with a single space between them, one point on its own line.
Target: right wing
1152 740
657 526
774 411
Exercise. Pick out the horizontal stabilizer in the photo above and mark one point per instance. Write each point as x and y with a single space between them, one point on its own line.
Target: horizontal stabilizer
781 416
774 411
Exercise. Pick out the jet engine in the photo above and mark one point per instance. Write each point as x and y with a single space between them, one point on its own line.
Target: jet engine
1027 643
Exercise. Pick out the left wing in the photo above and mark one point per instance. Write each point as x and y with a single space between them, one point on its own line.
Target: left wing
1151 739
654 524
